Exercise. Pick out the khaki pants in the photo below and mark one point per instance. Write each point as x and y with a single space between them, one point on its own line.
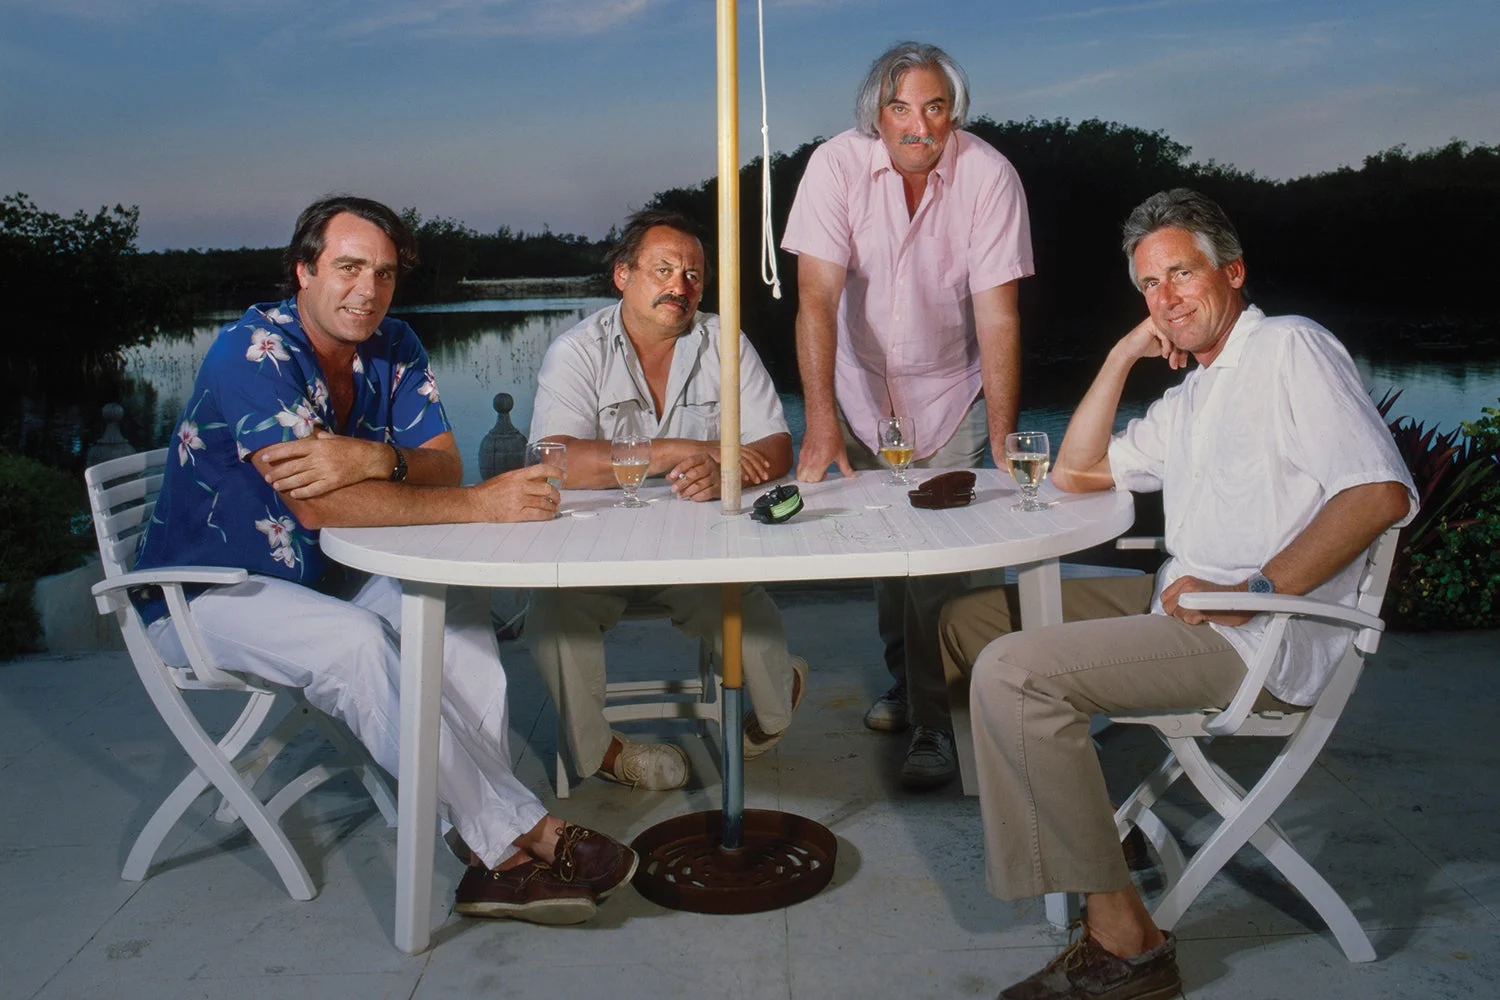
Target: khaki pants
565 633
907 608
1048 822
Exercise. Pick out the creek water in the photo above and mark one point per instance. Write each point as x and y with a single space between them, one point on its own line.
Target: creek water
485 347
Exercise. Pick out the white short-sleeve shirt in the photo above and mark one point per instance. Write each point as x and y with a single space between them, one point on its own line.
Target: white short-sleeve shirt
1246 452
592 371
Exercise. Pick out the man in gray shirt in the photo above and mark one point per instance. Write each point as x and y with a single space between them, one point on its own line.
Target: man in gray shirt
654 358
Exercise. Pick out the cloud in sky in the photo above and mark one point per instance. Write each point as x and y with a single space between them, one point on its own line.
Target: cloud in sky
473 19
221 117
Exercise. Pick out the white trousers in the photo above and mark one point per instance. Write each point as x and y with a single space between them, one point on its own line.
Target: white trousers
346 658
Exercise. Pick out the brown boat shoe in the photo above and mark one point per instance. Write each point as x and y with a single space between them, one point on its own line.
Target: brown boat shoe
1086 971
590 859
530 891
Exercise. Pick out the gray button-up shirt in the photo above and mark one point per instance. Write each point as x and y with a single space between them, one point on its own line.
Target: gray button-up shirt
591 375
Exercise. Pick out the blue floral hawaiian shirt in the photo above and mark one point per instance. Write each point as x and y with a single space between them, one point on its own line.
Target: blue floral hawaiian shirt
261 383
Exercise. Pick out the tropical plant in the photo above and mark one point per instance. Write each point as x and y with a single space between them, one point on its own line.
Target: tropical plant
1447 571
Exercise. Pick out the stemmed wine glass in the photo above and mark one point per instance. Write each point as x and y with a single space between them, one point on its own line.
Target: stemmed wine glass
897 438
630 454
1029 456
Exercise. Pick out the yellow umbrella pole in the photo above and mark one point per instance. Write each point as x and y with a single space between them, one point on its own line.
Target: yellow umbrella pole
733 708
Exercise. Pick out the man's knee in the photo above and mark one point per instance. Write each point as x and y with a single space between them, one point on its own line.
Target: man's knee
971 621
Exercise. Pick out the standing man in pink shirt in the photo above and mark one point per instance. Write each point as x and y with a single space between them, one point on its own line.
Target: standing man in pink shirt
911 236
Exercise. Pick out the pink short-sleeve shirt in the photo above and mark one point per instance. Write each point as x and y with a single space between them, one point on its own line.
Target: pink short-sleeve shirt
906 340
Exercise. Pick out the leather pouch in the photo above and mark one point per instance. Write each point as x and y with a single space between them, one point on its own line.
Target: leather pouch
951 489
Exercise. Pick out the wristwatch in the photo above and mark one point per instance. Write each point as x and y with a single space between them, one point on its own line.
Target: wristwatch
1261 584
398 474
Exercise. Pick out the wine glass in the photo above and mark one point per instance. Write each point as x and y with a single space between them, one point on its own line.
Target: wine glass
1029 456
897 438
630 454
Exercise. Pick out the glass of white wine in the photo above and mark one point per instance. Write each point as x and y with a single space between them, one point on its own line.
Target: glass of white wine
1029 456
630 454
897 437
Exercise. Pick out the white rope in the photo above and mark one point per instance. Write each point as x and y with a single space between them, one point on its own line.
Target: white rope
768 273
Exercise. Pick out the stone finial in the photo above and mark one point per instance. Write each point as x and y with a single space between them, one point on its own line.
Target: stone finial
111 443
504 447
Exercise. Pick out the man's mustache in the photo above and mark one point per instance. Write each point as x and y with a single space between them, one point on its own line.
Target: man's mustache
680 301
915 140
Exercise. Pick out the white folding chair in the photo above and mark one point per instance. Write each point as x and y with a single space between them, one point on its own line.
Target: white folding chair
1247 815
633 701
122 494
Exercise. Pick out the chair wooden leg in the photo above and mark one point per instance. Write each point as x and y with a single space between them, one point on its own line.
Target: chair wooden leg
143 851
211 762
353 755
253 764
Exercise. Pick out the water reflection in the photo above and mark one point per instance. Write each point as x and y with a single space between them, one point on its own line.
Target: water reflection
481 348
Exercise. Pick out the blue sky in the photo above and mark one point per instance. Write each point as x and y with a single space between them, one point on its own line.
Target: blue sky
222 118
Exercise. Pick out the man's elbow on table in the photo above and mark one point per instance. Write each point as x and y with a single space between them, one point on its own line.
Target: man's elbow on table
1071 480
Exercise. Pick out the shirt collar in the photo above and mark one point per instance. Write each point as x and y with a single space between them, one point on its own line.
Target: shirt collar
1250 318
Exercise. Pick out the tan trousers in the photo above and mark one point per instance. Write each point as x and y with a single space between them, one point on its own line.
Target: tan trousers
565 633
907 608
1048 822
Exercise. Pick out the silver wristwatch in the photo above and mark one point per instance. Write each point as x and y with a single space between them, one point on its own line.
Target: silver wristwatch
1261 584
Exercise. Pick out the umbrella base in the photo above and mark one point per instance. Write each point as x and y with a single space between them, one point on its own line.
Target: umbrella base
783 859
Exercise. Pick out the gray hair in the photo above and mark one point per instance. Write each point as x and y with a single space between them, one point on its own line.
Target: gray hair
885 74
1186 209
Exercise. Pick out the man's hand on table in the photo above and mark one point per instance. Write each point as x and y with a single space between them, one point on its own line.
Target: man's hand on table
697 476
822 446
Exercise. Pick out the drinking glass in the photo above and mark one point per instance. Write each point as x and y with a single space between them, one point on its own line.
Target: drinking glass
630 454
554 453
897 437
1029 456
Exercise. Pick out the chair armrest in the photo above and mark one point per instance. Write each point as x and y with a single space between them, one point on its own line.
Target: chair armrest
1142 543
1285 604
108 593
1283 608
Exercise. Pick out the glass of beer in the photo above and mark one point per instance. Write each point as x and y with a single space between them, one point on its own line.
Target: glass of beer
630 454
897 437
1029 456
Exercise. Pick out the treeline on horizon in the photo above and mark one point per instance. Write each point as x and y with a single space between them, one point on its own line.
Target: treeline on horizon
1398 251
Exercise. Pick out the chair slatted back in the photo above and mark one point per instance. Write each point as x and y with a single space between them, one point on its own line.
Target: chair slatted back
122 497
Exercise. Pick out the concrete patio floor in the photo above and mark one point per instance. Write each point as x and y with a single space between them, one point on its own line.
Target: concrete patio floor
1402 815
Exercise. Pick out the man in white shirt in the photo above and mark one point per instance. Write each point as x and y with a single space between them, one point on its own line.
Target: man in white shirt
654 358
1276 473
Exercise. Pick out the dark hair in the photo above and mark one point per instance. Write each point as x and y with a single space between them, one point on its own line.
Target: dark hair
885 74
312 227
1186 209
627 248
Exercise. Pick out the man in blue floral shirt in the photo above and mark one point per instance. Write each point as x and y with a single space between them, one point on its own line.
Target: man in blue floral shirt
321 411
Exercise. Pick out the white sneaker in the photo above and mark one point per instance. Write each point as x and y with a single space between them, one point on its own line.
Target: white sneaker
656 767
888 713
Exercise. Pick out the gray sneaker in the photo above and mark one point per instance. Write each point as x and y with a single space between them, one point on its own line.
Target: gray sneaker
888 714
930 760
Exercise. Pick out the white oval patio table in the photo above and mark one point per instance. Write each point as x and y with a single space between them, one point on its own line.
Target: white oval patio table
849 528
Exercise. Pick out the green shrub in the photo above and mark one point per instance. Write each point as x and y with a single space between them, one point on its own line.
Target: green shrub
1447 572
39 507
